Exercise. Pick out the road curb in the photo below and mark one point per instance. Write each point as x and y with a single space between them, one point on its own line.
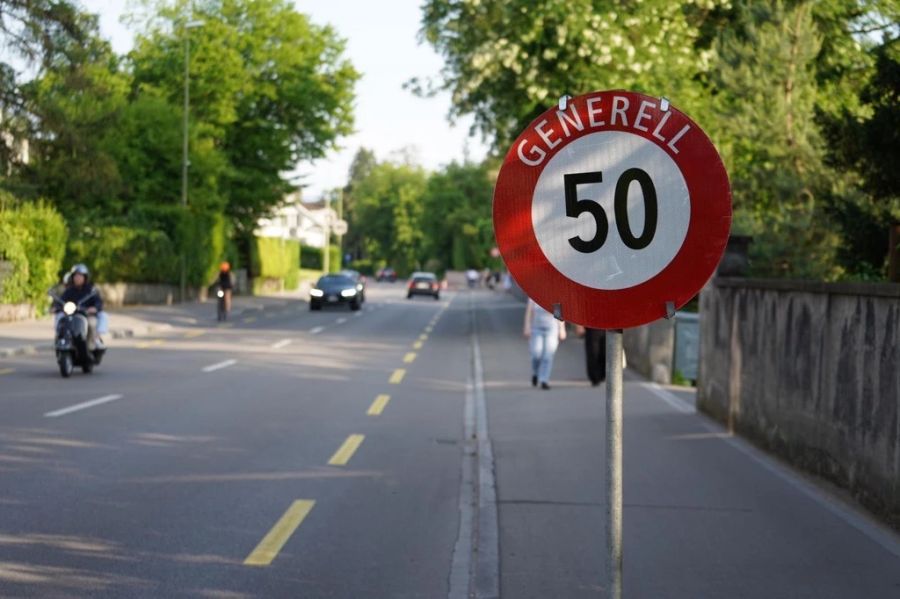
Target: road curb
123 333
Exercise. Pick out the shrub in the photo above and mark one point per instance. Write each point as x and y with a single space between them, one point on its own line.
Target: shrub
311 257
277 259
126 254
151 246
33 243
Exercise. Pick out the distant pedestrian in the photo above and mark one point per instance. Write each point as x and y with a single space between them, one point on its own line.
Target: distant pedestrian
544 333
595 354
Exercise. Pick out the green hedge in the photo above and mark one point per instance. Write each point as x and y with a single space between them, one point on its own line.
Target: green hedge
277 259
32 243
124 254
151 249
311 257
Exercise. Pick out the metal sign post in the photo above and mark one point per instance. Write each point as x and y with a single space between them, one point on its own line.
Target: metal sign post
614 462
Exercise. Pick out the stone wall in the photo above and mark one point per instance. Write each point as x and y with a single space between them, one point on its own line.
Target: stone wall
810 371
16 312
122 294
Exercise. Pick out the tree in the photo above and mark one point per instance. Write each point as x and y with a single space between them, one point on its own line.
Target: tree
72 106
766 130
268 87
457 218
389 209
360 168
506 62
36 34
865 143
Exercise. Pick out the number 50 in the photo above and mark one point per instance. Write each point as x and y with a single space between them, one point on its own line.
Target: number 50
576 207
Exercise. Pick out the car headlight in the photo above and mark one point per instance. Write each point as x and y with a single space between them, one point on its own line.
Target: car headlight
69 308
359 287
348 292
316 292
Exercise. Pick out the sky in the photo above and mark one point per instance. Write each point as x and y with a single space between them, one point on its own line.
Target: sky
382 44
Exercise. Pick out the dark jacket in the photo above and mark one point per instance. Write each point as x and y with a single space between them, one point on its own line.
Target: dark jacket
225 280
76 294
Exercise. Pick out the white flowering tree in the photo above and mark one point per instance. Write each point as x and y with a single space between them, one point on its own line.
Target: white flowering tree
506 62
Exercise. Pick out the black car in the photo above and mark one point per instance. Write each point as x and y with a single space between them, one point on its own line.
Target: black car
334 290
423 283
360 282
386 274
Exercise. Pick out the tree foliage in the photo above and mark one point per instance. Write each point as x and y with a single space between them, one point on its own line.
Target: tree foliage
410 219
505 62
799 96
268 89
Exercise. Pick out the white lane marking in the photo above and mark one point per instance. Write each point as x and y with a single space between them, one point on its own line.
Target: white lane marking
83 406
316 330
220 365
670 398
282 343
358 314
340 320
879 535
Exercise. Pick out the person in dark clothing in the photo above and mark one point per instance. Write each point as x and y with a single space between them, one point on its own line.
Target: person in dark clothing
79 287
595 354
225 284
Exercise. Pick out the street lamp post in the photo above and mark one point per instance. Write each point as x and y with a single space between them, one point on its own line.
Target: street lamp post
184 146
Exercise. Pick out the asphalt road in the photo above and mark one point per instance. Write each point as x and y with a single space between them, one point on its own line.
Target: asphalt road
331 454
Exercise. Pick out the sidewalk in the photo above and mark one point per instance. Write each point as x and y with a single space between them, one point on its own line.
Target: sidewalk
32 336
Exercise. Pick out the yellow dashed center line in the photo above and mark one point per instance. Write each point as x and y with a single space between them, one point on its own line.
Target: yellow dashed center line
397 377
423 337
429 328
409 358
249 319
346 451
7 371
378 405
193 334
147 344
268 548
417 345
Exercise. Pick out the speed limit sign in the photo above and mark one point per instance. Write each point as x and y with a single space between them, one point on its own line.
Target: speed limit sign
612 208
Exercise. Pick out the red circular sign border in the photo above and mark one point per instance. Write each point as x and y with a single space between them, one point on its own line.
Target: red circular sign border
681 279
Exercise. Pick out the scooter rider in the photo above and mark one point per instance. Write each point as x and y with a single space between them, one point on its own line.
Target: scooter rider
78 287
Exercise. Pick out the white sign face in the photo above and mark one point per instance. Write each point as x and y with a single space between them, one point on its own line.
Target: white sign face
611 210
339 227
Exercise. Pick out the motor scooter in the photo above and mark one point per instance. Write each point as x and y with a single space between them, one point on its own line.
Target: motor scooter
72 330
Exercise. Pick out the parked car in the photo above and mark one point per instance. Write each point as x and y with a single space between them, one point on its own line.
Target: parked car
360 282
334 290
386 274
423 283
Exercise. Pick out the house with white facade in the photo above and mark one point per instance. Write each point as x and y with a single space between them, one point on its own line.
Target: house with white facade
305 222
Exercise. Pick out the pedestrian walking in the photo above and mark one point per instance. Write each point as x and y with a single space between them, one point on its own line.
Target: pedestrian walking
544 333
595 353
